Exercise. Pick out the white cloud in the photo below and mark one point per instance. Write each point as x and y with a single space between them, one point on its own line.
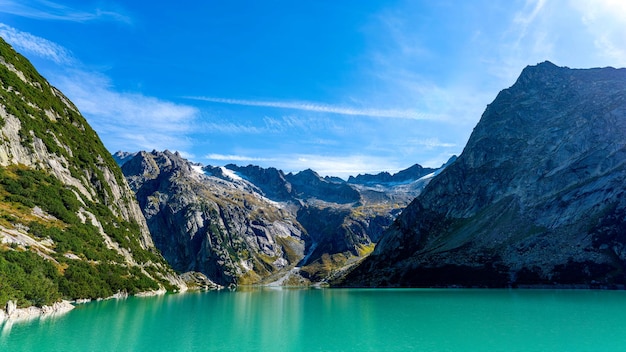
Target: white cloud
231 157
527 38
324 108
574 33
268 125
124 121
49 10
127 121
527 15
431 143
224 127
27 43
605 20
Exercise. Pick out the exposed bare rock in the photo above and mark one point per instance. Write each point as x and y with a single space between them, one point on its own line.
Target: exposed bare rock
12 313
536 198
216 228
254 225
197 280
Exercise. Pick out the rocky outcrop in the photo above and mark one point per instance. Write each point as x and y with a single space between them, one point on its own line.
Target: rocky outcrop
196 280
536 198
12 313
218 227
271 182
308 184
341 229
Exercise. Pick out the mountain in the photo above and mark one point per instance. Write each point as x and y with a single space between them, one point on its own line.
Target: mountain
412 173
537 198
218 226
343 220
308 184
254 225
70 227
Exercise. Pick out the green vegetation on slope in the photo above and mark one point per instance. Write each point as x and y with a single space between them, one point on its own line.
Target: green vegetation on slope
56 248
98 272
48 115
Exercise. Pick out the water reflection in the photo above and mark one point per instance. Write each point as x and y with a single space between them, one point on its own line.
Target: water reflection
334 319
7 324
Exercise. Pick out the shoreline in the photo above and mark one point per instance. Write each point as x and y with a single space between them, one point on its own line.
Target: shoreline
11 313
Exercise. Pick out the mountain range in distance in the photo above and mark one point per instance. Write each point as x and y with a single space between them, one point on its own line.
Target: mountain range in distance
254 225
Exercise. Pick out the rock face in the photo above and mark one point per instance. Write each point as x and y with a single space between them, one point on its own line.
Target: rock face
64 200
536 198
308 184
221 228
243 225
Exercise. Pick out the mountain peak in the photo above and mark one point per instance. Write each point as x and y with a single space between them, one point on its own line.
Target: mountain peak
410 174
542 73
546 65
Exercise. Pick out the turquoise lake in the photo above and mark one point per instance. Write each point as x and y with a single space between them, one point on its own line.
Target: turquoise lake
336 320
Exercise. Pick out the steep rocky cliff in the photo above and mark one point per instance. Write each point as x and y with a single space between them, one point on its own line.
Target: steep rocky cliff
536 198
222 228
242 225
69 224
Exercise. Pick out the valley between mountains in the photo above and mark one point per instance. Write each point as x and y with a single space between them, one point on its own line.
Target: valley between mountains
250 225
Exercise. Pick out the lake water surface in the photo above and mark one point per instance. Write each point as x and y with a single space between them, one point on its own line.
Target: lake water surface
336 320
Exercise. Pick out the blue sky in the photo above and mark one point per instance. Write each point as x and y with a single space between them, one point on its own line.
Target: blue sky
342 87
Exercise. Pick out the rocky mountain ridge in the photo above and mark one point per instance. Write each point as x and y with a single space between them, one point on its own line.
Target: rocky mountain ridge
536 197
218 227
412 173
287 228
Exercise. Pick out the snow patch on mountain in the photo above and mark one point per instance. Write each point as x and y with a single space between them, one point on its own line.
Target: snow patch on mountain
198 169
231 174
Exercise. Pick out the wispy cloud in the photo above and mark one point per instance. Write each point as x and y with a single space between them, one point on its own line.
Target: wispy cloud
431 143
225 127
50 10
575 33
527 15
127 121
30 44
323 108
526 38
341 166
235 158
605 20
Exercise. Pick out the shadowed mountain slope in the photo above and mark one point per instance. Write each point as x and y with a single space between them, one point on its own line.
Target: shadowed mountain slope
536 198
